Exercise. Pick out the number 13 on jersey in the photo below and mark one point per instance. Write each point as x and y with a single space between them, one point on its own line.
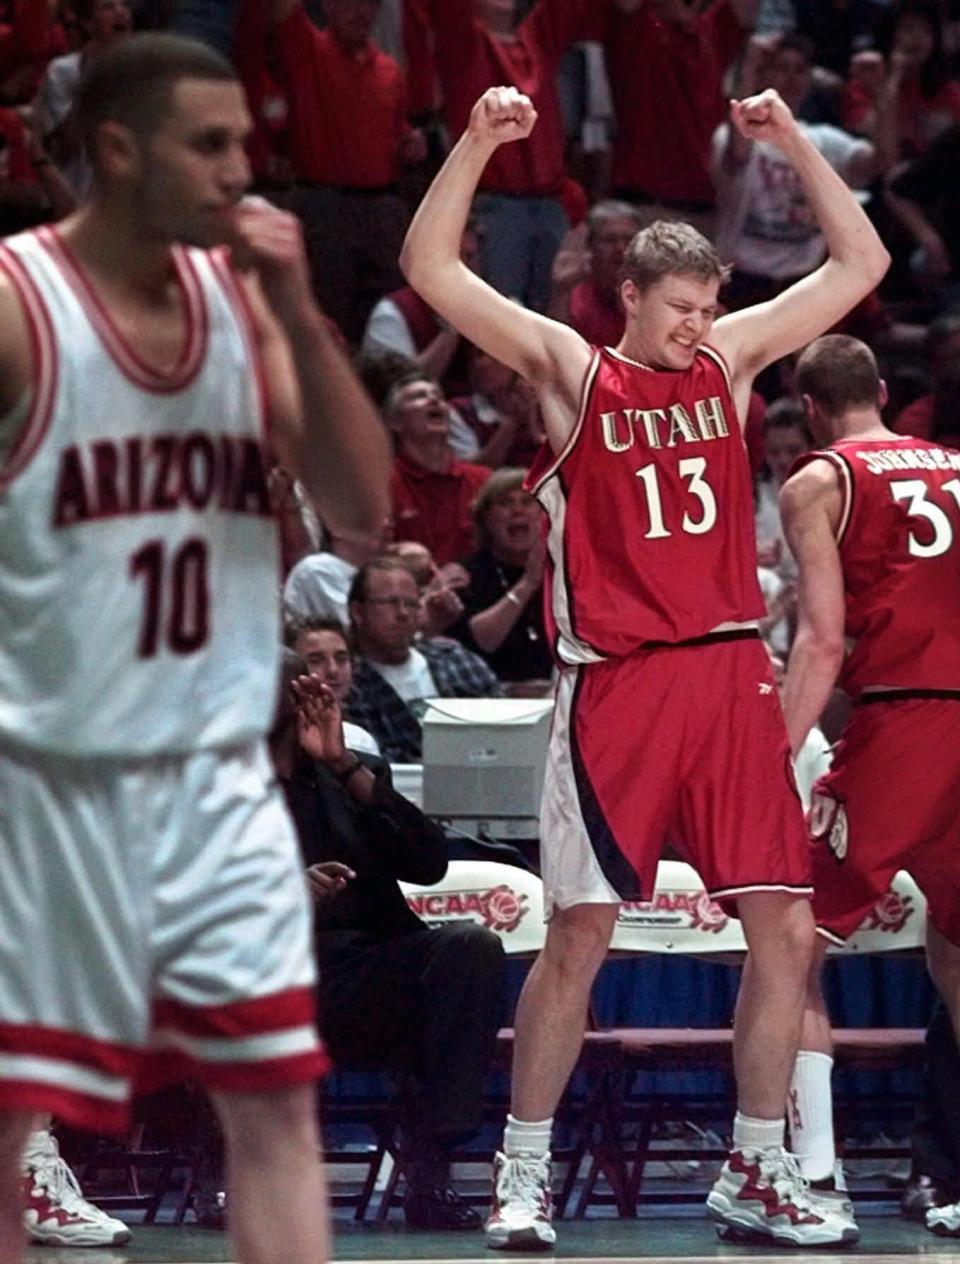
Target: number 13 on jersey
692 471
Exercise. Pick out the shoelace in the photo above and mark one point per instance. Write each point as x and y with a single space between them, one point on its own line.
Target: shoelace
55 1176
523 1179
783 1172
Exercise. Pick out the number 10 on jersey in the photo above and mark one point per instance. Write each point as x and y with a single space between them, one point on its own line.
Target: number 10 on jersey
176 596
692 470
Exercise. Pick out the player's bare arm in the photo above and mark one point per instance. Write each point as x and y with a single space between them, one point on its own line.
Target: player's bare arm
553 357
326 428
755 337
810 508
16 361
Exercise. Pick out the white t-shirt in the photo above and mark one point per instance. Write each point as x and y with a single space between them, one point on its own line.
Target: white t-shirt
412 680
765 225
318 586
356 738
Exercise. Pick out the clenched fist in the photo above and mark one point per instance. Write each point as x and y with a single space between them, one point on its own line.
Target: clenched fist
765 116
501 115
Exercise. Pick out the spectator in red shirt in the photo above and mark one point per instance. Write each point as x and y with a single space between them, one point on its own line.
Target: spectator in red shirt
666 62
256 57
431 491
910 66
479 45
586 273
348 133
29 39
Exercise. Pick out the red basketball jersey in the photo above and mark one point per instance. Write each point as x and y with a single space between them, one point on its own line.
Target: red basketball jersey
651 535
899 539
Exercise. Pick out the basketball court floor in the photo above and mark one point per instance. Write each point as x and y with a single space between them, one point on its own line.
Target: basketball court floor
679 1239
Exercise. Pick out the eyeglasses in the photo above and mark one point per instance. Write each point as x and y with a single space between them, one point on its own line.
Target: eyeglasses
409 604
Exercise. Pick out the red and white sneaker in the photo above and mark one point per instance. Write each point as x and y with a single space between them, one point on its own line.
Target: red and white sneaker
55 1212
762 1193
522 1208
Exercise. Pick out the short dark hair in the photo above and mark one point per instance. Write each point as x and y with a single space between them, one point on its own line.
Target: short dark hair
297 626
386 562
670 248
132 82
793 42
787 414
839 373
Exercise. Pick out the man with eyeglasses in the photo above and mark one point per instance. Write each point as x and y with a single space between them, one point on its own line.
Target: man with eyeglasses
394 671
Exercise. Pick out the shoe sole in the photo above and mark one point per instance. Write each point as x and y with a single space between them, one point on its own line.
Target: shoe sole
521 1240
944 1231
58 1239
735 1226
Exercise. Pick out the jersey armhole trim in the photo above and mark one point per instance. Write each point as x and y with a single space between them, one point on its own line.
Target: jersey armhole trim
842 465
239 304
43 353
724 368
586 390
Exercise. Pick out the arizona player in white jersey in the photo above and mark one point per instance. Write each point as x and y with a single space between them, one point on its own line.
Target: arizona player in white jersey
153 913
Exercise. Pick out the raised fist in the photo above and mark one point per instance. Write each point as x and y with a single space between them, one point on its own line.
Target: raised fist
765 116
501 115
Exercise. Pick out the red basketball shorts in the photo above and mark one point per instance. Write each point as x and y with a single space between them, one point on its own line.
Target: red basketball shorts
683 745
890 801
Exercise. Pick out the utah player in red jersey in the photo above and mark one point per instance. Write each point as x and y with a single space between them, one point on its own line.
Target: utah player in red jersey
667 723
874 522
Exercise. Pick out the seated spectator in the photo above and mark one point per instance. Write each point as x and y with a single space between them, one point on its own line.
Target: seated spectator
785 437
924 197
501 418
439 586
348 136
667 114
394 672
586 274
765 224
403 323
319 584
503 602
910 67
393 994
935 415
323 646
431 491
109 20
478 45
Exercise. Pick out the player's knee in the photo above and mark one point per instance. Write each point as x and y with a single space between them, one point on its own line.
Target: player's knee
256 1124
578 940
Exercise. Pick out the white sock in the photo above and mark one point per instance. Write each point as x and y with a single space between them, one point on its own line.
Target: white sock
757 1134
810 1112
522 1137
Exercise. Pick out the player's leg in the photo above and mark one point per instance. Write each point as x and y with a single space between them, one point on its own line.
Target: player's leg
810 1097
602 799
273 1166
943 962
14 1129
549 1026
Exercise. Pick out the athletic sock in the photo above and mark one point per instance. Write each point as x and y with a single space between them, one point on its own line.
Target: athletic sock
810 1112
521 1137
757 1134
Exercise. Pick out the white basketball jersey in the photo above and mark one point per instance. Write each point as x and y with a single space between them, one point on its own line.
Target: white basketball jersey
139 609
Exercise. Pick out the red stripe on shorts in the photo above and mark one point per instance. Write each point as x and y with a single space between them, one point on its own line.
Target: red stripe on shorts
68 1046
168 1067
294 1008
79 1109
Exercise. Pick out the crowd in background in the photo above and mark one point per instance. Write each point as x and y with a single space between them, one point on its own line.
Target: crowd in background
355 102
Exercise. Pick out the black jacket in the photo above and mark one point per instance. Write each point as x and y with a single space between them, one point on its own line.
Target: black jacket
384 841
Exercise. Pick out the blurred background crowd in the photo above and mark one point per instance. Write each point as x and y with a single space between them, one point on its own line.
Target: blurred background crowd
354 104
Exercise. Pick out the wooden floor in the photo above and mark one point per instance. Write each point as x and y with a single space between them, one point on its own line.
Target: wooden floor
679 1239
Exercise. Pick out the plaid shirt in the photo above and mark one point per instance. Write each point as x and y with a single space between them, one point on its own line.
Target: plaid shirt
377 707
